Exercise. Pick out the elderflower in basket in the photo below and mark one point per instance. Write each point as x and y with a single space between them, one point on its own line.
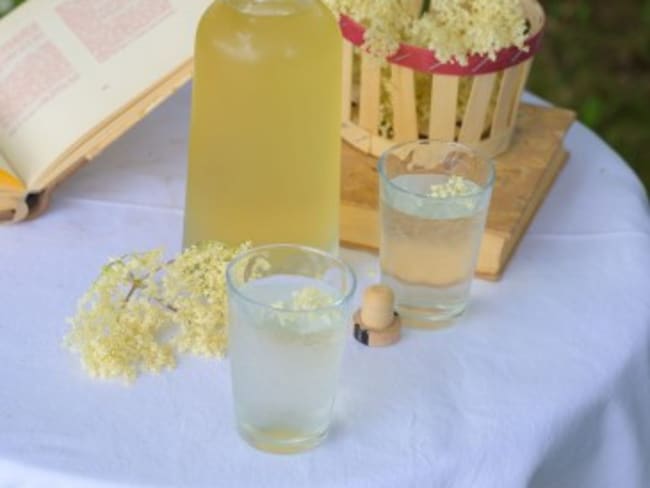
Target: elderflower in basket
449 70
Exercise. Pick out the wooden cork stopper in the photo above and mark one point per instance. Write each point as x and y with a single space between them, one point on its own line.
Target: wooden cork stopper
377 307
377 323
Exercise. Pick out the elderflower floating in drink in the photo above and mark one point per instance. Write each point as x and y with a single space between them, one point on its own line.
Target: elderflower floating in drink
434 201
289 308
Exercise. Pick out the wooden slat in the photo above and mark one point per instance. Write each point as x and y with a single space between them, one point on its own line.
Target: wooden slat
405 120
356 136
505 99
414 7
346 99
494 145
477 107
380 144
525 70
444 99
370 93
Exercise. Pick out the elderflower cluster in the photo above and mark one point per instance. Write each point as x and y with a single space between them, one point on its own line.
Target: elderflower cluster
455 186
454 29
457 28
142 311
308 300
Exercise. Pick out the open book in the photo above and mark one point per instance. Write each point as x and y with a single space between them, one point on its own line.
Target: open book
74 76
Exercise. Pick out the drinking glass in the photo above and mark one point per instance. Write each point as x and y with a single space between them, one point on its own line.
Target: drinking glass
434 198
289 313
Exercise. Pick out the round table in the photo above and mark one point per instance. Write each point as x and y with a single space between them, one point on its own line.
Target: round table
545 381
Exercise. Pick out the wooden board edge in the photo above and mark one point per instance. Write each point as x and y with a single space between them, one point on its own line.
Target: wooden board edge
510 245
489 263
359 227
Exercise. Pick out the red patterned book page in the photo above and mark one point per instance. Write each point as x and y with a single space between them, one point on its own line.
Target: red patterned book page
33 70
106 27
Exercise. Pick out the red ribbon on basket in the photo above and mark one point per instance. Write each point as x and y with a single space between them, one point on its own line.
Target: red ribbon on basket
425 60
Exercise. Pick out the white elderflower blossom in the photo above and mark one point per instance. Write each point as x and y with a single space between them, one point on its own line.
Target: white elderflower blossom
141 312
455 186
454 29
305 299
319 314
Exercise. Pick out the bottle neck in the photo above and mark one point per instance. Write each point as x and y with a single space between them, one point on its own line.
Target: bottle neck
269 7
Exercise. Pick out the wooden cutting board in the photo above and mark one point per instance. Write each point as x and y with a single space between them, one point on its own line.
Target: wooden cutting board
525 174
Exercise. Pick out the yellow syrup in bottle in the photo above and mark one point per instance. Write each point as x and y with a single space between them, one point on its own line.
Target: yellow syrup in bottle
264 150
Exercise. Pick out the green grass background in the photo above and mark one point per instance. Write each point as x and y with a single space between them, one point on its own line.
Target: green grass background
596 61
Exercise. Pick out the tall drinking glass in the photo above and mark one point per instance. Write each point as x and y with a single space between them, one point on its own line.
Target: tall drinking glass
434 200
289 310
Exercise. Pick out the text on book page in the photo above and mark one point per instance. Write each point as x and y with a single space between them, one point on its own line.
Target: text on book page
32 71
105 27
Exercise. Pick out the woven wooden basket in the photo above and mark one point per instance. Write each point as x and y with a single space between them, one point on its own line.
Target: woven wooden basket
474 104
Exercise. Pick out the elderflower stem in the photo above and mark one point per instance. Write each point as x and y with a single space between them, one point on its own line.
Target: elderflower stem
424 8
169 307
135 284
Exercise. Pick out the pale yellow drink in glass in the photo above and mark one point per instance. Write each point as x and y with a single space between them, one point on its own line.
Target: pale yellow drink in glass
264 156
287 327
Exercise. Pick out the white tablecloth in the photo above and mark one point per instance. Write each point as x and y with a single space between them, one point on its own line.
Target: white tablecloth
545 382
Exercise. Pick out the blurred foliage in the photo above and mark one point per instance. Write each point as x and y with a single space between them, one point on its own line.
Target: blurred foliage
595 60
7 5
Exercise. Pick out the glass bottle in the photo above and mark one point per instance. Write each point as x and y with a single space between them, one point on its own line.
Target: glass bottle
264 149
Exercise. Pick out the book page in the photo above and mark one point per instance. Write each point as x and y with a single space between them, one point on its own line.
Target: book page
68 66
